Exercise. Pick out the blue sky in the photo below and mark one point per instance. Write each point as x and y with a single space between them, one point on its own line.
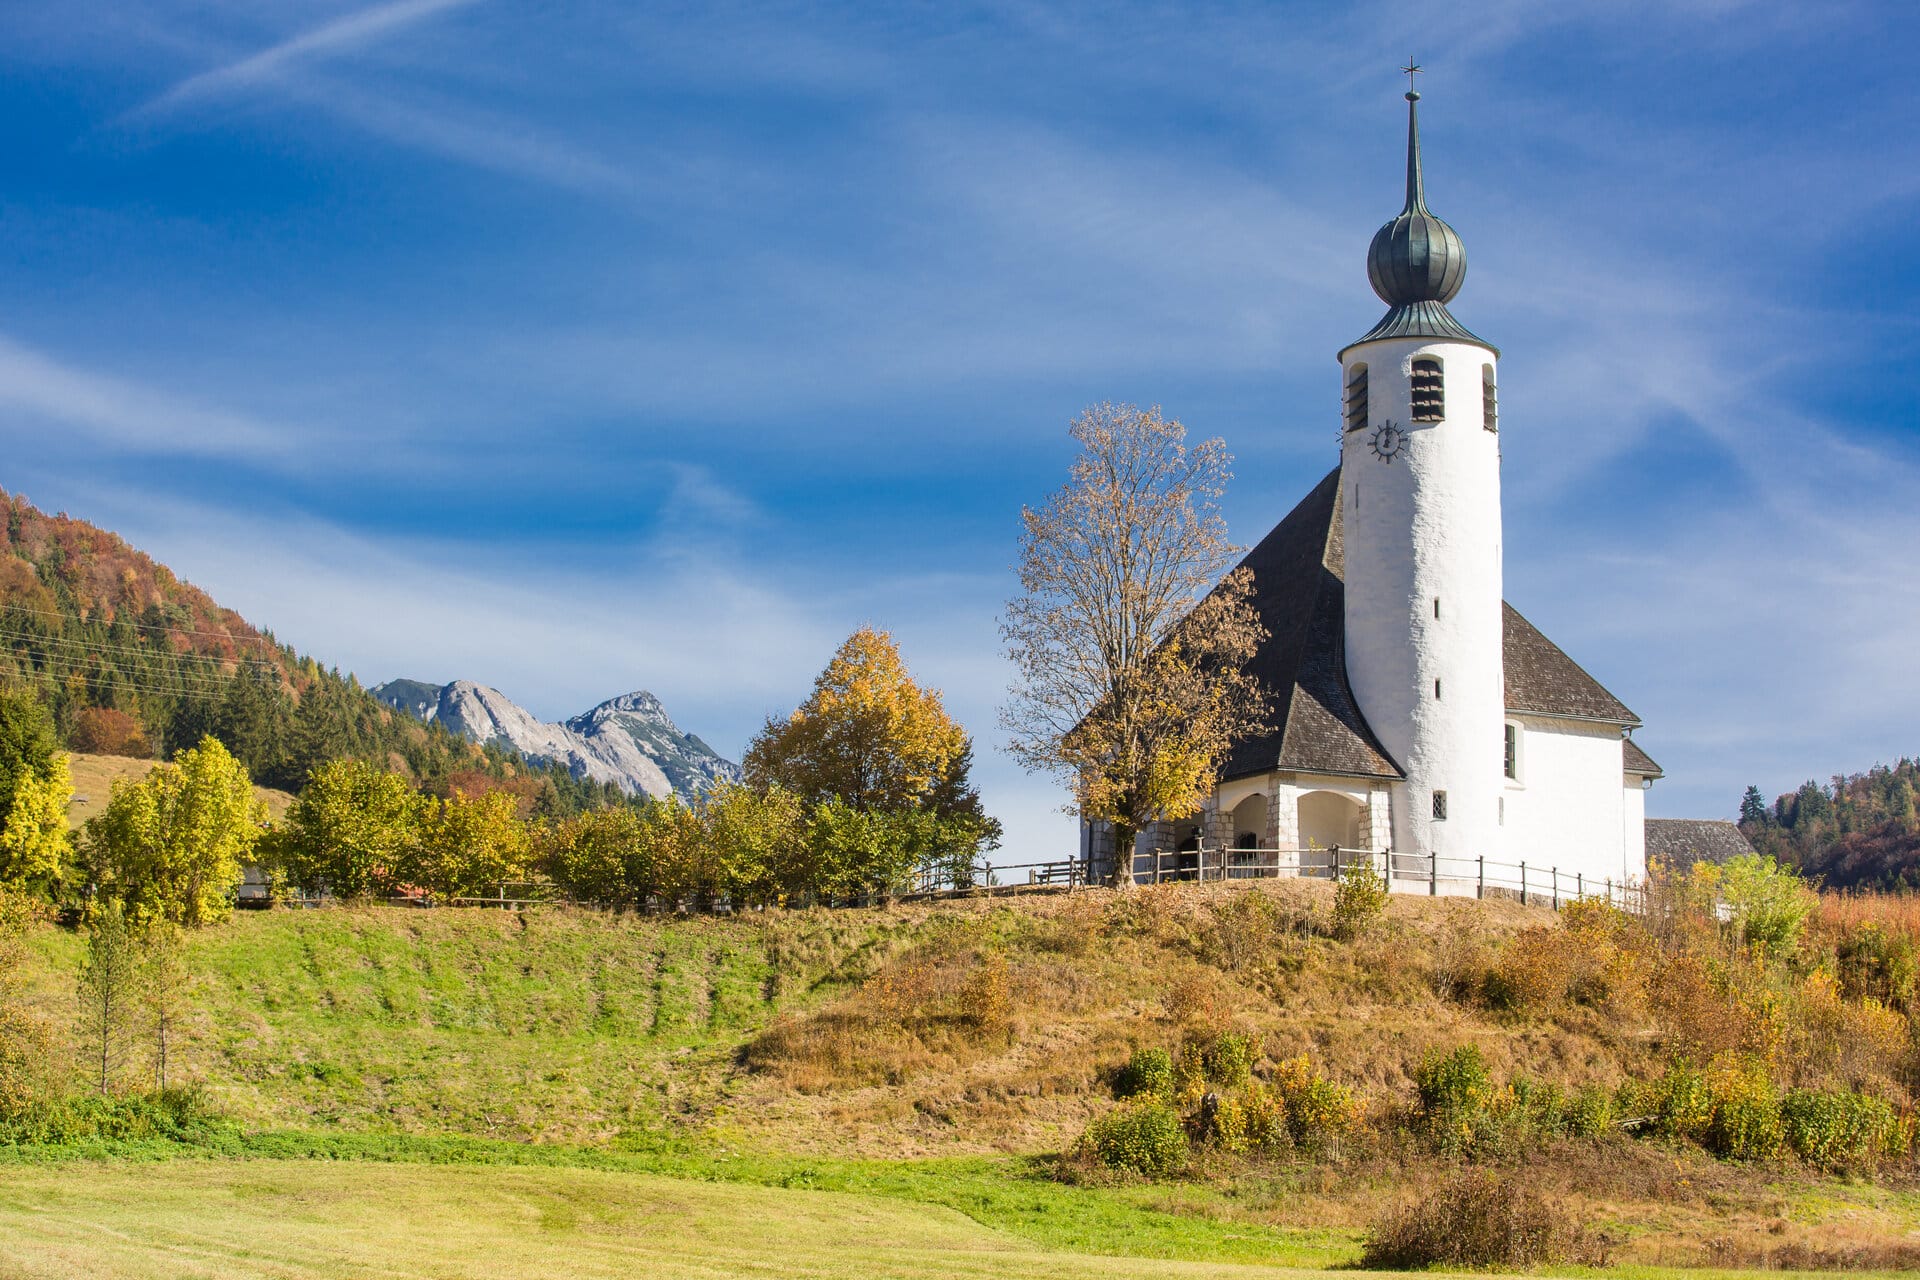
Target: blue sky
581 348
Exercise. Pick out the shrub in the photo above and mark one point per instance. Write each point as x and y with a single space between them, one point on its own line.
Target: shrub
985 999
1222 1122
179 1115
1267 1117
1876 964
1768 902
1148 1074
1138 1136
1229 1060
1456 1097
1358 899
1746 1111
1477 1219
1839 1131
1317 1111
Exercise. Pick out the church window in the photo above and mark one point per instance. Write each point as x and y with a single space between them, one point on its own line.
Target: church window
1439 806
1355 407
1512 762
1436 690
1436 606
1489 400
1429 392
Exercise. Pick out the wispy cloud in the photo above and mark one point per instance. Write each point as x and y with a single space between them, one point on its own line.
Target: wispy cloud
129 417
354 31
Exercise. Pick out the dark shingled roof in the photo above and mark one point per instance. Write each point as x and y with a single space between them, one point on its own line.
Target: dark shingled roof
1681 842
1544 680
1300 592
1301 597
1639 762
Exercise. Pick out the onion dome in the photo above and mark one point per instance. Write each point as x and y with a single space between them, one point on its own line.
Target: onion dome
1416 257
1416 262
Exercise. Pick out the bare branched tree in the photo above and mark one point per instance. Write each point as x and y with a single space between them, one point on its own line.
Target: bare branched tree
1132 658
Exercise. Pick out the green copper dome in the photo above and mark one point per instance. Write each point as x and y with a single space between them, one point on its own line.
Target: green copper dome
1416 263
1416 257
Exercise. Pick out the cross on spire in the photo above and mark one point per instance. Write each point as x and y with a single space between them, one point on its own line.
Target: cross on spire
1411 70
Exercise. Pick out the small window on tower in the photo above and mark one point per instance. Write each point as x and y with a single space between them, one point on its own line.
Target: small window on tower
1436 690
1429 392
1355 407
1489 400
1436 606
1513 751
1439 806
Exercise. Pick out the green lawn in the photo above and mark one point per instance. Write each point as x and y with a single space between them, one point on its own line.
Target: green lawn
303 1218
287 1219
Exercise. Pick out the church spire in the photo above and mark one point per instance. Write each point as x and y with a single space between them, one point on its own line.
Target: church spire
1416 262
1416 183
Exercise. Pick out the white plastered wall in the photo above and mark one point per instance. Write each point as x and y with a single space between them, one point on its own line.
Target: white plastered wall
1568 809
1634 843
1425 526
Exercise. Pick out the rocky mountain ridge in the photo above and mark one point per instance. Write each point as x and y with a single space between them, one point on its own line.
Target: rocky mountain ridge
629 740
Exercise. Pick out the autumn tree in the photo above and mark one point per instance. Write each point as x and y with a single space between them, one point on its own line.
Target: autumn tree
871 738
750 834
596 856
169 847
35 841
1130 647
349 829
464 844
27 743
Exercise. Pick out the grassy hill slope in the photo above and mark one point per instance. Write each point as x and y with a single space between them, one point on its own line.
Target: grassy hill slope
932 1053
94 776
829 1031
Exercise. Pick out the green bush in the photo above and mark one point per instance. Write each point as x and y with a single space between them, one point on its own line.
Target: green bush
1139 1136
179 1115
1358 899
1148 1074
1839 1131
1229 1060
1732 1108
1456 1097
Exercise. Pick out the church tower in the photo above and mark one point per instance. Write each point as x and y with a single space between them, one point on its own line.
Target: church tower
1420 512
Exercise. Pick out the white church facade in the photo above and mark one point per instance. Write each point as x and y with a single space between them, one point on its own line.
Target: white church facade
1418 719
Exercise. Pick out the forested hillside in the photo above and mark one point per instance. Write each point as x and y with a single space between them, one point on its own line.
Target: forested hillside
133 661
1859 831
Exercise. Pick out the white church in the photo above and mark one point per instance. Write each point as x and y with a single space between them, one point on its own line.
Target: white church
1419 720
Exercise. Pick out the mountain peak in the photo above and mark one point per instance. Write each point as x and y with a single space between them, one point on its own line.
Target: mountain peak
629 740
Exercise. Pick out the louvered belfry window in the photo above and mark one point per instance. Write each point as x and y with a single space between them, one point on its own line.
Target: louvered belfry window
1429 393
1355 408
1489 401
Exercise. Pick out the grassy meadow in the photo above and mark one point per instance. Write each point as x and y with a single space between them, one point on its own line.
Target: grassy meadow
566 1090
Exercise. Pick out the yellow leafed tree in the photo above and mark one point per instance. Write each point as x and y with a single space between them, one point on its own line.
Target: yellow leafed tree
867 734
35 843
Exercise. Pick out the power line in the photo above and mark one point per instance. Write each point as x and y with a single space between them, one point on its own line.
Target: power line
128 650
146 626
